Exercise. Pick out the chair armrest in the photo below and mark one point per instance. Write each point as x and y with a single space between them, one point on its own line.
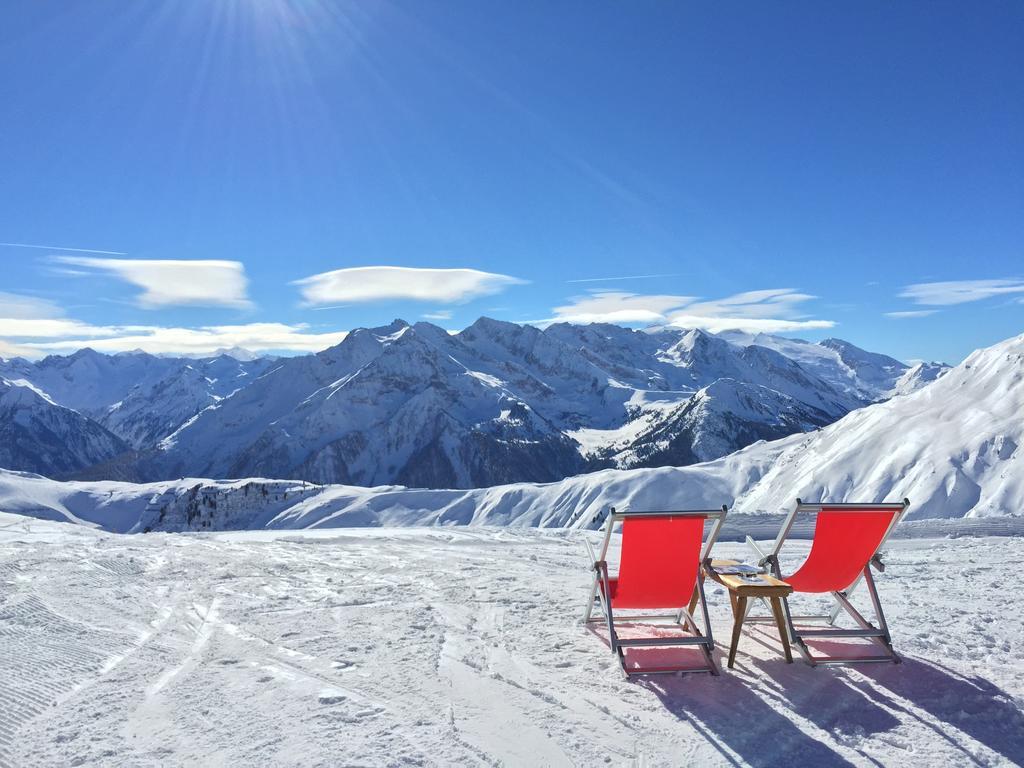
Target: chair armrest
762 557
707 571
753 545
876 561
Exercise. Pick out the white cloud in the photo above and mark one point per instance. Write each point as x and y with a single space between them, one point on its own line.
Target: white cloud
16 305
753 304
29 317
31 327
10 350
362 284
748 324
51 328
441 314
911 313
257 337
770 311
172 282
619 307
961 291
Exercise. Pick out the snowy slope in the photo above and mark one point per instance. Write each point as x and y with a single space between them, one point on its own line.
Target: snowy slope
953 446
460 647
39 435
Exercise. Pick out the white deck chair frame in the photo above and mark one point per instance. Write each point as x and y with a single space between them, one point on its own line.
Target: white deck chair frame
682 617
877 634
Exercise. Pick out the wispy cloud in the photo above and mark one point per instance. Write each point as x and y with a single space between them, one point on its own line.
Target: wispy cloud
612 279
257 337
60 248
52 328
771 311
32 327
8 350
30 317
961 291
771 302
366 284
749 324
175 282
619 307
911 313
441 314
17 305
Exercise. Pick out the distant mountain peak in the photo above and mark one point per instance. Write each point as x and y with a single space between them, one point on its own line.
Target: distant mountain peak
235 353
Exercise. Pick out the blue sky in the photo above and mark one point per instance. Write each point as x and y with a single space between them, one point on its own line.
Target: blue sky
852 171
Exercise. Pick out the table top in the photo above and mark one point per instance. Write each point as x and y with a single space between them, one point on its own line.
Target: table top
766 586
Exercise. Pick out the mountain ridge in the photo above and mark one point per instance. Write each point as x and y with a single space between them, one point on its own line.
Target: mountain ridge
494 403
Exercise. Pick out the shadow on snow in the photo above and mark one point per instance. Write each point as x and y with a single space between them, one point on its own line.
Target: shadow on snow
751 720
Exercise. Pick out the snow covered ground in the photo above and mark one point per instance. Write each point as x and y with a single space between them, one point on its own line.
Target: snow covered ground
441 646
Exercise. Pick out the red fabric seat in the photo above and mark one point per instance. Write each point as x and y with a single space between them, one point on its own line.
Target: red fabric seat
844 542
659 562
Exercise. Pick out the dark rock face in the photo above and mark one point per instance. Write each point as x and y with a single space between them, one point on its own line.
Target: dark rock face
38 436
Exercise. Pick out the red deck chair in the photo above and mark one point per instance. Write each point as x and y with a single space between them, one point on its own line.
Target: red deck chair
847 540
659 565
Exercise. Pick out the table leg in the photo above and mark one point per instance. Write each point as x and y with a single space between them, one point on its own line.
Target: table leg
780 622
737 625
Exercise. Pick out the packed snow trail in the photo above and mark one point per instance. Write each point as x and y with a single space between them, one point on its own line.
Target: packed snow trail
460 646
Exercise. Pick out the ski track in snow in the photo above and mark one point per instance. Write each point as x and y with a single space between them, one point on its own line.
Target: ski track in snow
461 647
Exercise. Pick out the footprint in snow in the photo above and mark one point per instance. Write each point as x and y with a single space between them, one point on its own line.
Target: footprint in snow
331 697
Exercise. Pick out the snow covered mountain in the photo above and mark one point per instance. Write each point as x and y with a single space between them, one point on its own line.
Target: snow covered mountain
139 397
917 376
953 448
38 434
150 411
866 376
496 403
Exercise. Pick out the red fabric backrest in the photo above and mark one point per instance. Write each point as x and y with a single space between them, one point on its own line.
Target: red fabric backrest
844 542
659 562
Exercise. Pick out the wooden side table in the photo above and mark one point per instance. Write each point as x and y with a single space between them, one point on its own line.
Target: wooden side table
740 589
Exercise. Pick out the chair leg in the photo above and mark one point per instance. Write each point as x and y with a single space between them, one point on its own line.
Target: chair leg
737 626
794 637
780 622
588 610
